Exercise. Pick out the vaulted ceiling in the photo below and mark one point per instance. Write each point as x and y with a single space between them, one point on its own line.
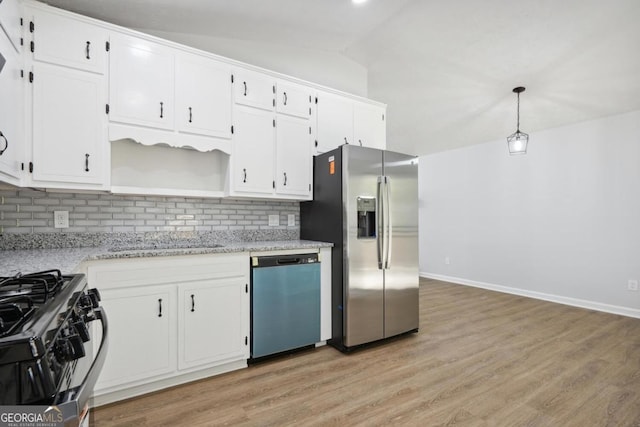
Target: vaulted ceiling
445 68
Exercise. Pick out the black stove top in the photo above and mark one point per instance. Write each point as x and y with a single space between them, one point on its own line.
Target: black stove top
22 295
46 348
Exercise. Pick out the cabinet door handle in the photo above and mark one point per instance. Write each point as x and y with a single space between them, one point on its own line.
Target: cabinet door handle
161 109
285 98
193 303
86 162
360 141
88 50
244 173
285 178
6 143
190 115
245 88
159 307
345 140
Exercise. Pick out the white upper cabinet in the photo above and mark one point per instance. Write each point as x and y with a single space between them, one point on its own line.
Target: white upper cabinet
11 112
141 82
11 20
294 157
71 43
369 126
203 95
254 89
69 128
293 99
342 120
66 101
253 151
335 121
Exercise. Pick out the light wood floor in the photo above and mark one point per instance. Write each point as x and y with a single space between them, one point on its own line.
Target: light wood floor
481 358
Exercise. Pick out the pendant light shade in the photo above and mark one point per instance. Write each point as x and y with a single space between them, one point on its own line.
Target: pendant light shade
517 142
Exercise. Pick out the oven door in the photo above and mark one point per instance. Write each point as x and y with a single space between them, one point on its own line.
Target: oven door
76 390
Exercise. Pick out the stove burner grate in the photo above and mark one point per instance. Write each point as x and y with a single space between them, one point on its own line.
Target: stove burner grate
20 295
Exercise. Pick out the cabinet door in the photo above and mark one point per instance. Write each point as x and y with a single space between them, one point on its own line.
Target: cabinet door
141 82
335 121
212 322
293 99
11 112
64 41
203 92
10 20
142 334
254 89
69 126
294 156
369 126
253 150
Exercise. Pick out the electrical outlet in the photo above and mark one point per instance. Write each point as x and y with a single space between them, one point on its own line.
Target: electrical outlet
291 220
61 219
274 220
632 285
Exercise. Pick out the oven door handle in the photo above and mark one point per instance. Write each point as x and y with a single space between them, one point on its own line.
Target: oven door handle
74 401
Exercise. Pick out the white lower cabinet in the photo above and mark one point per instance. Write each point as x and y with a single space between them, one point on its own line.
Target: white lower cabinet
141 334
171 320
203 305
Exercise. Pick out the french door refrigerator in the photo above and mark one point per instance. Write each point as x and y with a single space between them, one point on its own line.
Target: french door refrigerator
365 202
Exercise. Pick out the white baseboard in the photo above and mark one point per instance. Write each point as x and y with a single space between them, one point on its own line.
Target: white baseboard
575 302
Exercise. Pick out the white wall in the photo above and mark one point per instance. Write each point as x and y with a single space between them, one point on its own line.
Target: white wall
561 222
321 67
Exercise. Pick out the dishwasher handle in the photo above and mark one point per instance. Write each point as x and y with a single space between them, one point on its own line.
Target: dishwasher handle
284 260
289 260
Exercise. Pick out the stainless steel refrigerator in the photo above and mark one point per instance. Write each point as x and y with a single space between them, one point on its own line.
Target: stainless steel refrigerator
365 202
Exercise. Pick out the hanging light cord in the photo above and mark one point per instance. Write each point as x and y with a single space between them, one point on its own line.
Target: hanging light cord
518 126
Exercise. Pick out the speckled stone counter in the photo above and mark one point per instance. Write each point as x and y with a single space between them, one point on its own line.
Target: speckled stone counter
69 259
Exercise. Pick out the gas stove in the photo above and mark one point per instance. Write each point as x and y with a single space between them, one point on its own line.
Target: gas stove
47 341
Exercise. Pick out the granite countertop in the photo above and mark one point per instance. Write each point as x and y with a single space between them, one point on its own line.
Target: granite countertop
68 260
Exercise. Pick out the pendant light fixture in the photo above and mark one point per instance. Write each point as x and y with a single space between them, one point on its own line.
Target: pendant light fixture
518 141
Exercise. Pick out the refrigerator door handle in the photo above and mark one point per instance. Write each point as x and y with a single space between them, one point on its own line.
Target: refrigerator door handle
387 220
380 223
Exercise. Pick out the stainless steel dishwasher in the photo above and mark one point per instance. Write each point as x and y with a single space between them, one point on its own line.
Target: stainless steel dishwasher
285 303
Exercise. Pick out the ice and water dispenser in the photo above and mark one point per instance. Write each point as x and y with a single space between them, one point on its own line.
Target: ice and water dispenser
366 217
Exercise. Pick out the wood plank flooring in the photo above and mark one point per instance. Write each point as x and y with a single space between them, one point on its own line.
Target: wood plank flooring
481 358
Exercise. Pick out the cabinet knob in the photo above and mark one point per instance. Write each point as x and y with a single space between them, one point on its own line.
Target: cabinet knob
88 50
5 142
345 140
360 141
